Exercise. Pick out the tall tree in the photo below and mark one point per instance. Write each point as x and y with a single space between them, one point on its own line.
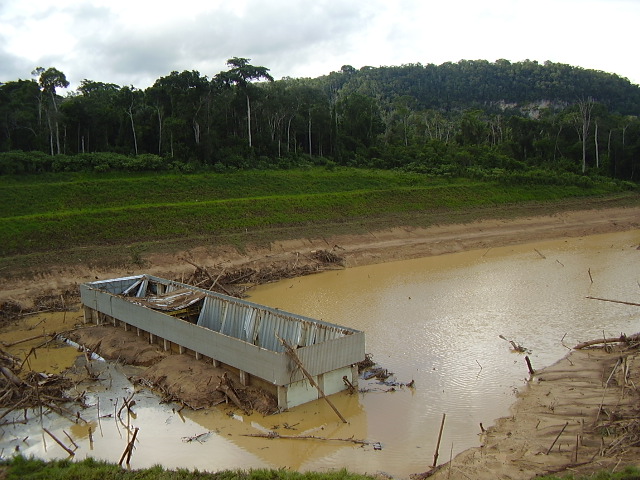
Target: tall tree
240 73
585 106
49 80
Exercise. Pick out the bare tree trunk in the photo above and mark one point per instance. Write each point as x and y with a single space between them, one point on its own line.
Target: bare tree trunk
585 107
196 131
249 120
57 134
50 132
133 128
159 131
309 133
596 144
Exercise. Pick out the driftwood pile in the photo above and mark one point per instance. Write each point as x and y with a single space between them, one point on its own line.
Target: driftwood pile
619 424
11 310
235 282
32 390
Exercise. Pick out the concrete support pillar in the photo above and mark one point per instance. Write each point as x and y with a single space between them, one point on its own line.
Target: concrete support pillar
137 331
215 363
198 355
152 338
127 327
320 381
166 344
282 397
244 378
88 315
181 349
114 321
354 375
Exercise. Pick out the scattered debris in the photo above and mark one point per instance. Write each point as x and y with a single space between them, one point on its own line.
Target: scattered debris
273 435
27 390
235 282
197 438
516 347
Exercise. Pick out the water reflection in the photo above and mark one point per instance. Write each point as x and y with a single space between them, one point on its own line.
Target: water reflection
437 320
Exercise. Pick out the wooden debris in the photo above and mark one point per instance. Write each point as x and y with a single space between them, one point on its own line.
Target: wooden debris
226 386
294 356
31 390
273 435
66 449
631 339
614 301
235 282
516 347
435 456
129 449
195 438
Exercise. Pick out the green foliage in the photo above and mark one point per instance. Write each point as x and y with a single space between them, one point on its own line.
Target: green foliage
47 213
89 469
420 118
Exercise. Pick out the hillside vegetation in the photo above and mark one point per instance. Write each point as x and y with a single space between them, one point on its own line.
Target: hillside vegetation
436 119
60 211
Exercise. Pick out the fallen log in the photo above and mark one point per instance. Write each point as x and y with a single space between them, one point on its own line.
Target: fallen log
620 339
17 342
294 356
12 377
66 449
614 301
273 435
225 387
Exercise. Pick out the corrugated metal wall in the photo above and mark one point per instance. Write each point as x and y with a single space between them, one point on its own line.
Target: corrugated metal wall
239 333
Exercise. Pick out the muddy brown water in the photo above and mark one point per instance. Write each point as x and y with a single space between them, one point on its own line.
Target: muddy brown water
436 321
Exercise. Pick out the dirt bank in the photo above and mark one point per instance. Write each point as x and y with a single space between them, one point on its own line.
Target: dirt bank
398 243
577 416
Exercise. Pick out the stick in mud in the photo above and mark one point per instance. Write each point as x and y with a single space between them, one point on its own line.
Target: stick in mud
557 437
435 456
273 435
294 356
531 370
614 301
68 450
129 449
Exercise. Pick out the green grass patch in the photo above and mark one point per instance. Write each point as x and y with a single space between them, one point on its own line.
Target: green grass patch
90 469
56 214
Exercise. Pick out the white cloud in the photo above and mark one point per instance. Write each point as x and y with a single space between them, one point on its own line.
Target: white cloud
133 42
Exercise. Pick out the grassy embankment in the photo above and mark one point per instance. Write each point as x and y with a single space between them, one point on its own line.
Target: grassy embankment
55 218
90 469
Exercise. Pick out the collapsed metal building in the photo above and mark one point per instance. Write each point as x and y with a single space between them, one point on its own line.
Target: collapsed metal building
241 336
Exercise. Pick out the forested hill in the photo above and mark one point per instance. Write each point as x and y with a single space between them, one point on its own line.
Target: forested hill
482 84
465 118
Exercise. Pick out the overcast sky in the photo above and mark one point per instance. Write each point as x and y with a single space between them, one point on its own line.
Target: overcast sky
134 42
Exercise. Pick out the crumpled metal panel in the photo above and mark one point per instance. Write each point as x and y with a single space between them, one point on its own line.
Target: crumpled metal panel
236 332
252 323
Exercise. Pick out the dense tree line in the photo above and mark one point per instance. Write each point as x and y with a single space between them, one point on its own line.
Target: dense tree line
439 119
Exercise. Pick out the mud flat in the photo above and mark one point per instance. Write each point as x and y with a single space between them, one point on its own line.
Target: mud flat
577 416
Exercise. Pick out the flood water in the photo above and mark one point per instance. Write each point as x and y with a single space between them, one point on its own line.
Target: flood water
436 321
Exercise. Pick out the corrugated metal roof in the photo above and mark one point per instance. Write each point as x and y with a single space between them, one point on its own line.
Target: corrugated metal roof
246 321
